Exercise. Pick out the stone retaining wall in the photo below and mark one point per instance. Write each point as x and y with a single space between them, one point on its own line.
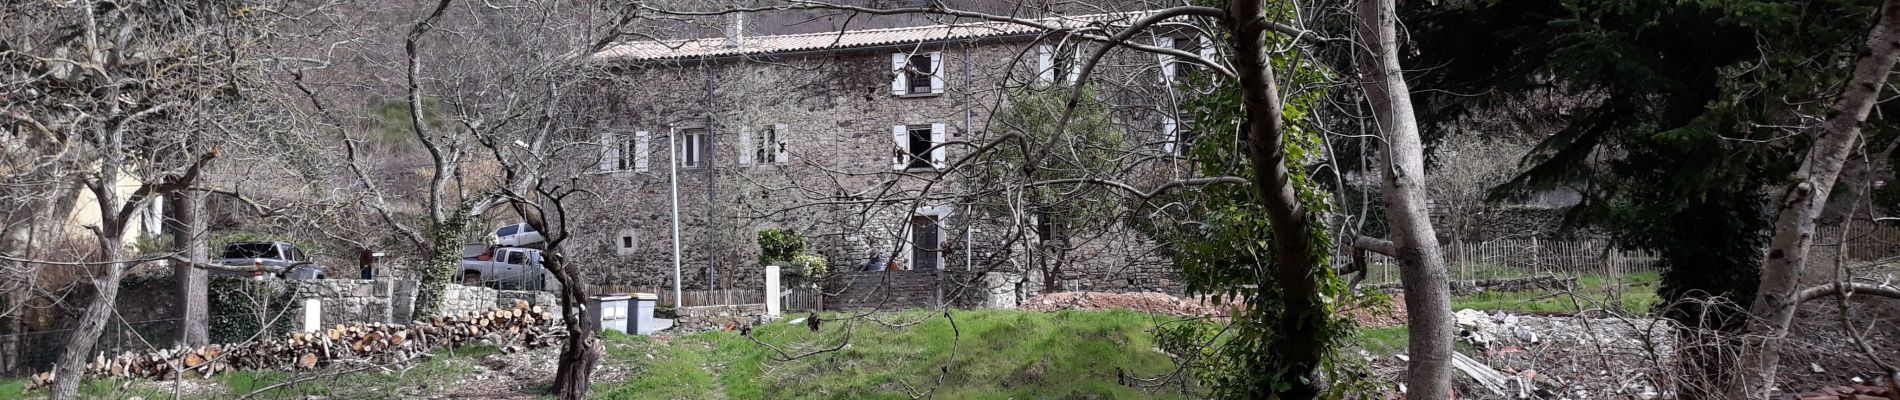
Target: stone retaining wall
898 290
348 300
706 318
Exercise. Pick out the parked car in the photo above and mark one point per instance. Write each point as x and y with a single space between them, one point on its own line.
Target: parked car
505 268
269 254
517 235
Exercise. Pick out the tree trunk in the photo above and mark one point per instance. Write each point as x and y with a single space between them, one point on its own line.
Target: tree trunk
1301 343
445 254
70 368
1775 301
191 236
582 349
1422 265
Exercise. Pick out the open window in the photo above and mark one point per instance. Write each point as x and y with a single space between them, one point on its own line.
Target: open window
917 147
917 73
1058 64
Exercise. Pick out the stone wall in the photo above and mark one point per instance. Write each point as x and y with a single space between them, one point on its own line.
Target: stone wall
459 299
838 186
348 300
900 290
706 318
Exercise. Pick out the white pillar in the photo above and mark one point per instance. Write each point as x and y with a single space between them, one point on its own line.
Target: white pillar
771 291
312 315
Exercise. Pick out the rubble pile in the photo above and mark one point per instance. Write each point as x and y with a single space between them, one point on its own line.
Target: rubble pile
1563 357
1148 302
376 343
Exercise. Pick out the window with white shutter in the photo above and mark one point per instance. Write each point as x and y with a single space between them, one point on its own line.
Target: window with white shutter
609 154
900 147
640 151
766 145
1167 61
1058 64
1168 135
939 153
916 73
745 146
936 72
775 145
692 149
900 84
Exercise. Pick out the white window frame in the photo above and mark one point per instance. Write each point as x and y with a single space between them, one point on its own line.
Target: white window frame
609 151
1046 64
903 155
900 67
692 151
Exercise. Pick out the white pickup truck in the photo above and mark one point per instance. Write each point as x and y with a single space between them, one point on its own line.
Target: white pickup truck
503 268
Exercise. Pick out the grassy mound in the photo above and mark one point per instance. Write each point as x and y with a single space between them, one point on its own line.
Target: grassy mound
988 354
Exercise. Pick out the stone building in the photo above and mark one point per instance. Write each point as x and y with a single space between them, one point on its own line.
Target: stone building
856 139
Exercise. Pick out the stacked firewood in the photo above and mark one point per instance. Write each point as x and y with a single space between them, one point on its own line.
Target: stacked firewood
375 343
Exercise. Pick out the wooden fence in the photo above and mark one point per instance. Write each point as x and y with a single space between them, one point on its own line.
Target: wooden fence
1518 258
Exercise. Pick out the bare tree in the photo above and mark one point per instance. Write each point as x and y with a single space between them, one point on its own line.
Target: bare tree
1793 231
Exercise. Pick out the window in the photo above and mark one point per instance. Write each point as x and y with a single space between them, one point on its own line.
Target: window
624 243
249 250
619 153
916 74
627 153
693 148
764 146
517 258
1058 64
924 252
919 74
640 151
1045 226
507 231
1191 45
917 146
1171 67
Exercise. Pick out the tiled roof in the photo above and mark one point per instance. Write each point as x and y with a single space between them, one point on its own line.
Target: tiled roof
760 45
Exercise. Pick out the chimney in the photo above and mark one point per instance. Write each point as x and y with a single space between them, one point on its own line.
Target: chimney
735 29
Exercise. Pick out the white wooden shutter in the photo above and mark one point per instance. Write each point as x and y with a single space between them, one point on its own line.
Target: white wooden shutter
1167 134
745 146
640 151
1167 61
609 152
1075 65
900 155
938 152
1045 65
899 85
779 153
1207 48
936 72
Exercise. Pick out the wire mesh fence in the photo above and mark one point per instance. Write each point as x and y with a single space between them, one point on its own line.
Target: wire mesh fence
1512 273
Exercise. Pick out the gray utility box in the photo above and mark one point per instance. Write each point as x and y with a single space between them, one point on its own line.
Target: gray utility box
610 313
643 321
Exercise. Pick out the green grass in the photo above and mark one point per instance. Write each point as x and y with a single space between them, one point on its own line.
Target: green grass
1384 341
446 366
999 354
1593 292
15 388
